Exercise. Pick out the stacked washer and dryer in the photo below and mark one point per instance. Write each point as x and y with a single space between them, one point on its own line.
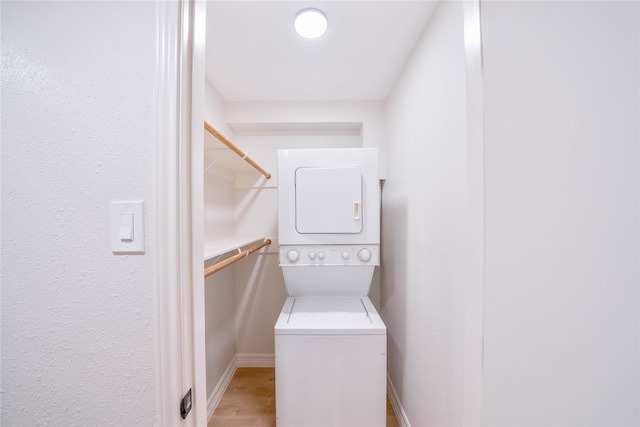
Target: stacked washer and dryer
330 342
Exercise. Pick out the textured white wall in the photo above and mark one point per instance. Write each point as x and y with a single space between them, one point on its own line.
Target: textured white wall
561 163
77 132
423 223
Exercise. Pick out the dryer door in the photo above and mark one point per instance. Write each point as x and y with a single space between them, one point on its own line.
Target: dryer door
328 200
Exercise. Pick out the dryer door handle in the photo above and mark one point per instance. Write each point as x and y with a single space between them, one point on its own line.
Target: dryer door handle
356 211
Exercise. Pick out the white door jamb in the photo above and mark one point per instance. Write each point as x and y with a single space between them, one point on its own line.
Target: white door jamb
179 280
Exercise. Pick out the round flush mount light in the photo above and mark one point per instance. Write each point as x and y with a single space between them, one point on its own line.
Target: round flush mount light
310 23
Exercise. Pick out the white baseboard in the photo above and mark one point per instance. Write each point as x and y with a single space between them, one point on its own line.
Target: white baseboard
216 395
403 421
256 360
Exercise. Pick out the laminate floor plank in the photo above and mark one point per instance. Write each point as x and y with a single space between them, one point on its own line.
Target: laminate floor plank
250 401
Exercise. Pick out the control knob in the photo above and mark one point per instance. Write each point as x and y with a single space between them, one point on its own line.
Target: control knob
345 255
364 255
321 255
312 255
293 255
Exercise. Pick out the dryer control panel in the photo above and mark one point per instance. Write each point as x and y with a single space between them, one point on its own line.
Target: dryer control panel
329 255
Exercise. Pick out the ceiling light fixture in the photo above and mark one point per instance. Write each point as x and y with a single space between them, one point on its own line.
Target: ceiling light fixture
310 23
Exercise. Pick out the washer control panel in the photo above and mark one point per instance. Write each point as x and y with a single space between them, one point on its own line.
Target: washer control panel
329 255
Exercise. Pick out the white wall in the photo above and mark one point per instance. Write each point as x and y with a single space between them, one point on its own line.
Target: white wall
77 132
218 216
219 223
561 162
219 324
423 222
331 114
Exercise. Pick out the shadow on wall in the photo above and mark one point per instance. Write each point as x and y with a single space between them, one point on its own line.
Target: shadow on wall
260 294
393 268
393 271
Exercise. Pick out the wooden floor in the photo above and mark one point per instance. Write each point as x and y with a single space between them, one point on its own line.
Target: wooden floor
250 400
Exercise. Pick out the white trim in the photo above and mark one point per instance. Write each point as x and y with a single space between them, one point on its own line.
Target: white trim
184 236
247 360
401 416
180 351
221 387
168 315
474 293
194 186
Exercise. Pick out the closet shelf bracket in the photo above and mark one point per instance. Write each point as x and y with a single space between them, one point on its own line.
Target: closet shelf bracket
222 264
233 147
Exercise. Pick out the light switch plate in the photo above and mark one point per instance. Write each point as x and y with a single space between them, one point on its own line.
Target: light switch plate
125 245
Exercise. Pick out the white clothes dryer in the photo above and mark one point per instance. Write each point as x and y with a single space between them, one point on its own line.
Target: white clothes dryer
330 342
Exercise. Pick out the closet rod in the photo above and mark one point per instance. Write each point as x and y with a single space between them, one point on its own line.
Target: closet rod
226 141
222 264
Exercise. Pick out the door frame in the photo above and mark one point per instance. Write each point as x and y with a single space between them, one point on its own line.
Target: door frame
180 313
179 291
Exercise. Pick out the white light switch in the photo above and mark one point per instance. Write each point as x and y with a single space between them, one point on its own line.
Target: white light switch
127 227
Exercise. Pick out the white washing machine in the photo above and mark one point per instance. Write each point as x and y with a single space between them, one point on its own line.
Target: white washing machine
330 342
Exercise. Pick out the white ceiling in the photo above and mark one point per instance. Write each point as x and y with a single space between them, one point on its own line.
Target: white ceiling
254 54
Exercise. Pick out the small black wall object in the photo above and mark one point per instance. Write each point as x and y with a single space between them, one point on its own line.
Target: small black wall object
185 405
